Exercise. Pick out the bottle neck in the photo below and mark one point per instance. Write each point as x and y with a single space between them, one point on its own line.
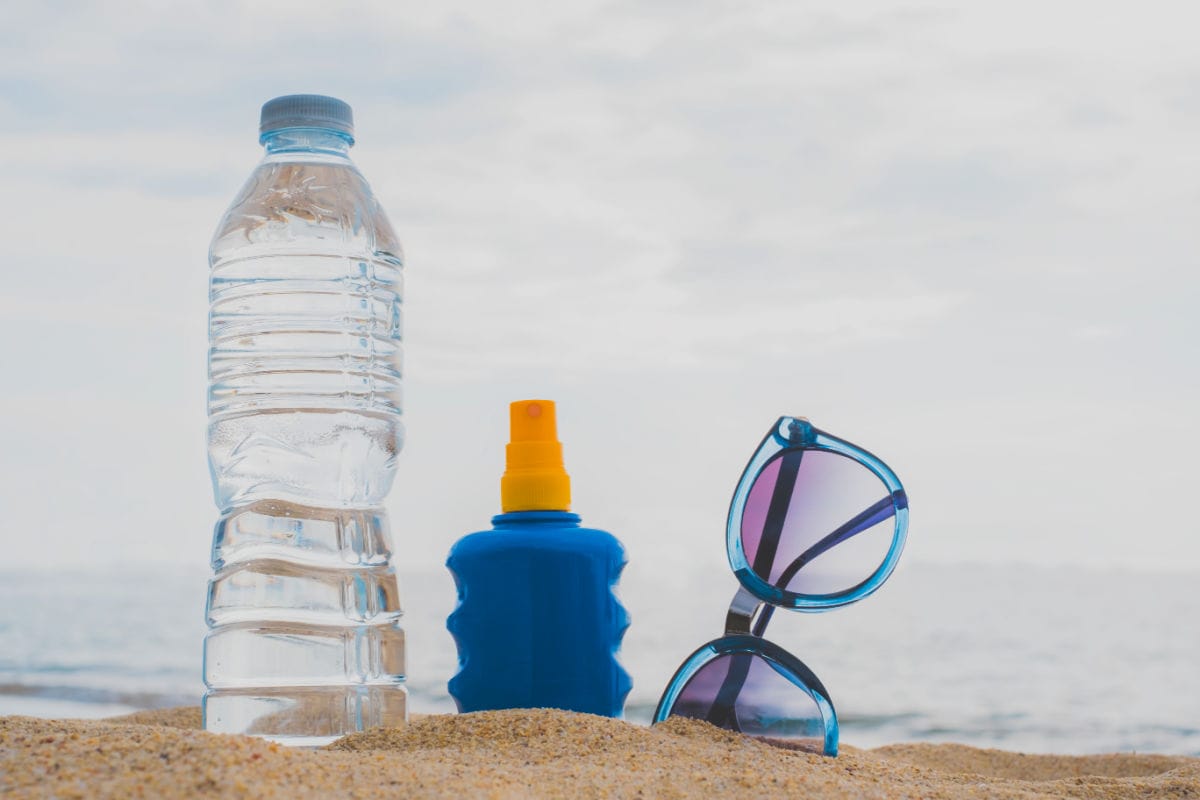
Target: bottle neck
521 519
307 141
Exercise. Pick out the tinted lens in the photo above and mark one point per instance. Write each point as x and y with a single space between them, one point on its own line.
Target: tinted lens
745 692
817 522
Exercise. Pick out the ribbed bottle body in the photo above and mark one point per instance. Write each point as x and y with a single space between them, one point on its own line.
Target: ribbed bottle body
538 623
304 640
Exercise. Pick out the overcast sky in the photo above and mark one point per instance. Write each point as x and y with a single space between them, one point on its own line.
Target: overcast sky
964 236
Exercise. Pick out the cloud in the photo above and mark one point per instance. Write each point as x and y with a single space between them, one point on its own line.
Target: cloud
946 226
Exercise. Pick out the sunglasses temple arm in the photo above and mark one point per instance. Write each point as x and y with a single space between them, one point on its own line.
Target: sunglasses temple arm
764 617
722 713
869 517
777 511
873 515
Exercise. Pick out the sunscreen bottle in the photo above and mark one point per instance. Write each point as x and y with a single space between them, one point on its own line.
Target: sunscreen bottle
537 624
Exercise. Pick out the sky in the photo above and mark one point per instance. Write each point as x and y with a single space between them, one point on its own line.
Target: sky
963 236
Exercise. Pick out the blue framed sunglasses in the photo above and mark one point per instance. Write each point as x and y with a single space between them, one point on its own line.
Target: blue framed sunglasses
815 523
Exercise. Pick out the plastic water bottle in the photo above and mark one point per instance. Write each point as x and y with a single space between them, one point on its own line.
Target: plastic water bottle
304 641
537 623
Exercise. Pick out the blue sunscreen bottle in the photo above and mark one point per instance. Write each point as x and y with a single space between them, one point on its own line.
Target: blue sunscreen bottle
537 624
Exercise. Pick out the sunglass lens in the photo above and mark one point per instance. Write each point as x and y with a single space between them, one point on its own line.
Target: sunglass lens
817 523
744 692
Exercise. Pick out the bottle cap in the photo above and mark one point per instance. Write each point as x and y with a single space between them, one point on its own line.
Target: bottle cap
306 111
534 478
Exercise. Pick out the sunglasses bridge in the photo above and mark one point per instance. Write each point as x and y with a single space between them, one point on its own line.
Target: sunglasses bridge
747 614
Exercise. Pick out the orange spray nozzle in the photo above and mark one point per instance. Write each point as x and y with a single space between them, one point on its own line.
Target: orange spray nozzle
534 476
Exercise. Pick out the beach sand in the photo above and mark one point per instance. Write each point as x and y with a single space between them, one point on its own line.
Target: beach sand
537 753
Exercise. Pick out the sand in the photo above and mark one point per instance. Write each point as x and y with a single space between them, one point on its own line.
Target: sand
537 753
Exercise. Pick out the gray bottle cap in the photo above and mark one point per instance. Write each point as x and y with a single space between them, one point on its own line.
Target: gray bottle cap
306 111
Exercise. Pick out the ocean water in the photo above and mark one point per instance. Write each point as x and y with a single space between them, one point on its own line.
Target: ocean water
1063 660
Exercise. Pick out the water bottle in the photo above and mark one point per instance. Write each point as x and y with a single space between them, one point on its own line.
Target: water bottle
304 642
537 624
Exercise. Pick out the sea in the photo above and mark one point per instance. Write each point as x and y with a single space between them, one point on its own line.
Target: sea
1025 658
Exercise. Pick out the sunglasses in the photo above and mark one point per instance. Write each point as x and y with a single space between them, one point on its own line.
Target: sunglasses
815 523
